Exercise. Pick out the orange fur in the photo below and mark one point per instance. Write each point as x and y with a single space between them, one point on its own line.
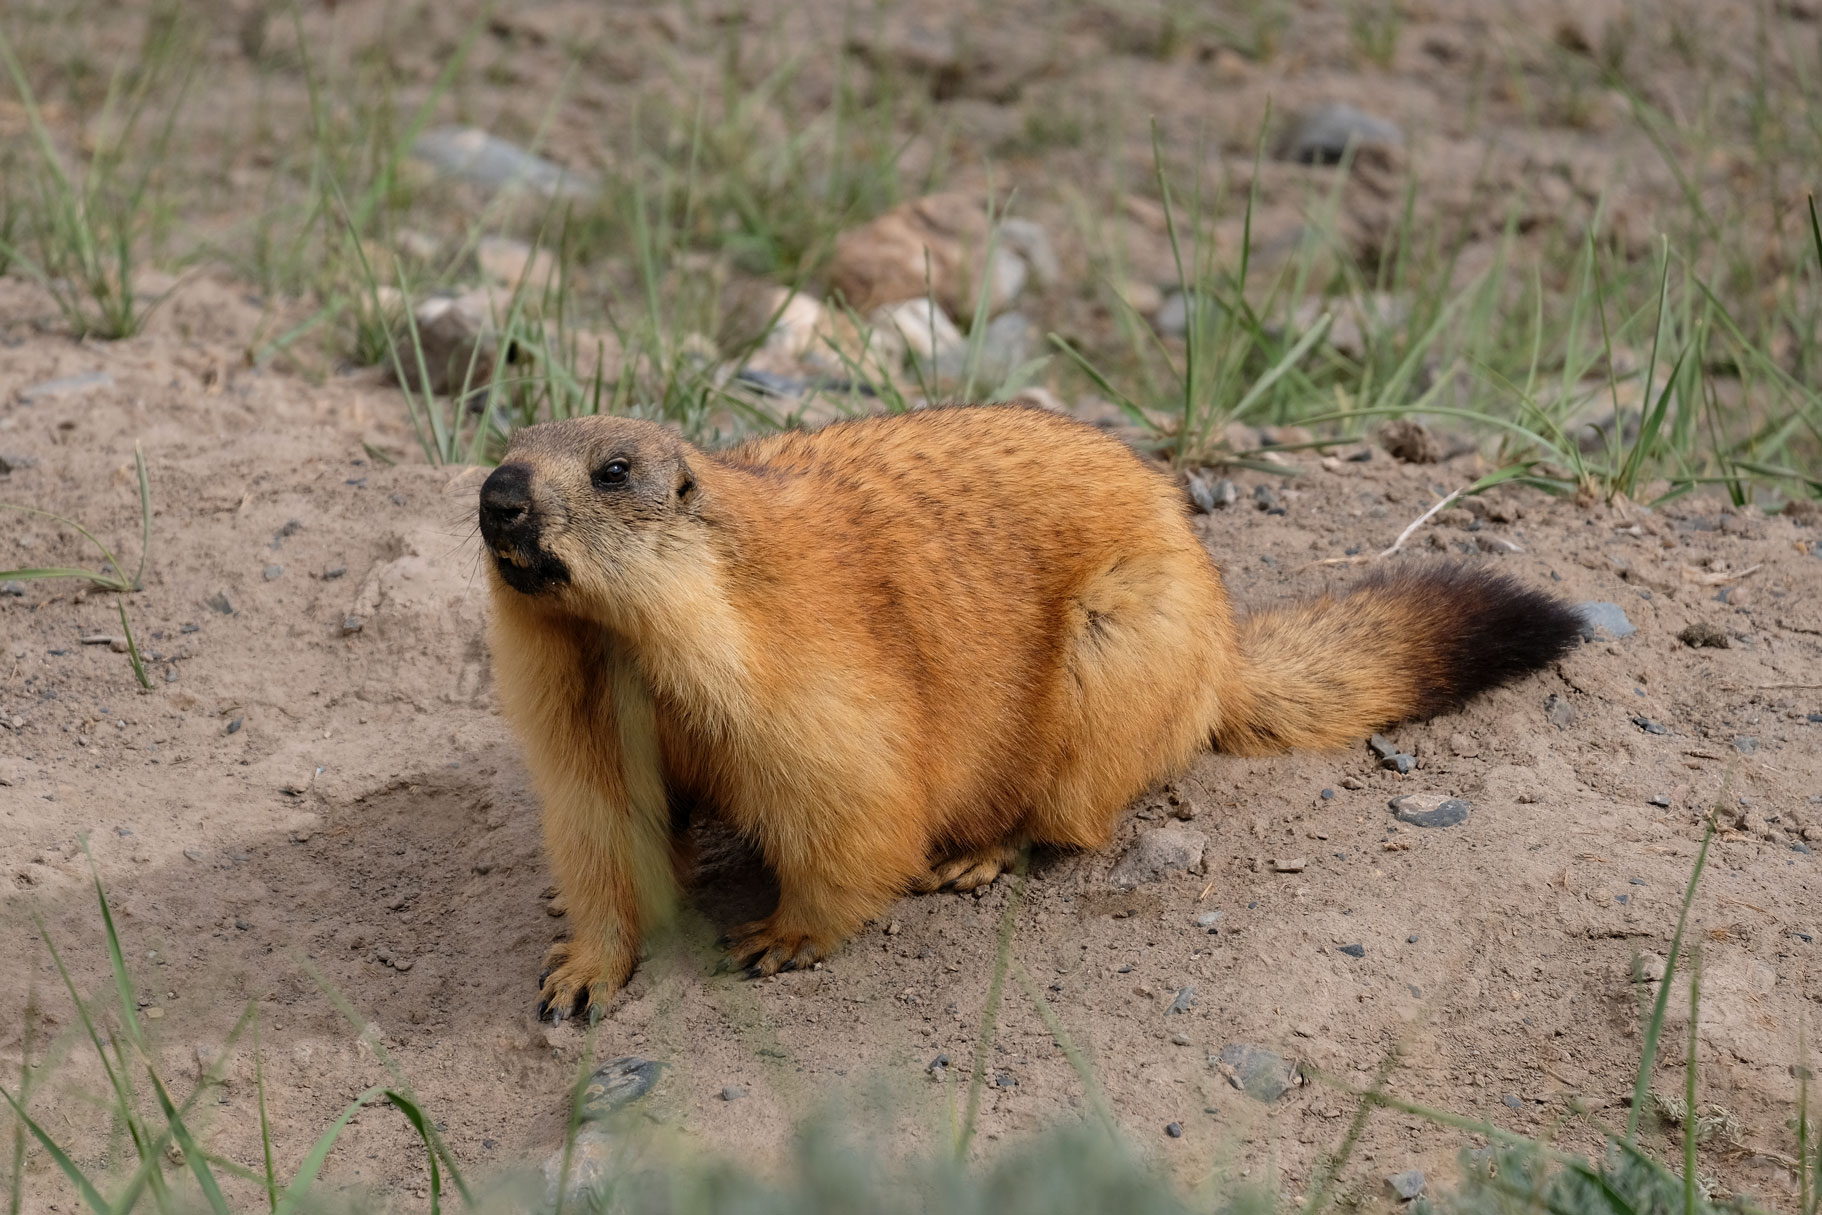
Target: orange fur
889 653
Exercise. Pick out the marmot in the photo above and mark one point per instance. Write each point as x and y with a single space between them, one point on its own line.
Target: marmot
893 651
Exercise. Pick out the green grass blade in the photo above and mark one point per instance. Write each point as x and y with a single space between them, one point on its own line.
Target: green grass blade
983 1045
192 1152
145 515
265 1125
1691 1198
83 1185
312 1164
433 1146
139 668
1641 1085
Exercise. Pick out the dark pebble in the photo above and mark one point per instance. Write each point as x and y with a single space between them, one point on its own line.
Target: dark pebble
1185 997
1411 940
334 572
1649 726
1659 799
1622 898
940 1061
350 625
1267 500
192 854
1400 763
1746 745
1354 951
234 726
1006 1080
242 925
1328 795
1451 812
1512 1101
221 603
1174 1130
274 572
1635 881
1382 747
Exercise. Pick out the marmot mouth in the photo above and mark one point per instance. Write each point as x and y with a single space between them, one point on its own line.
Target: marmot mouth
531 574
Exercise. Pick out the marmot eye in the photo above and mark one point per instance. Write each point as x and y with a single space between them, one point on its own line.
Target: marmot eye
614 472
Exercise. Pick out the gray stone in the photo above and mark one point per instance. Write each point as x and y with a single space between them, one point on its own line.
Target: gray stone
1031 242
274 572
1186 996
1325 135
1600 618
1158 852
616 1083
1559 712
221 602
1746 744
13 587
1208 919
733 1092
472 155
1430 810
1210 496
1355 950
1173 315
1266 499
67 386
591 1161
1407 1185
1006 346
1649 726
1400 763
1382 747
12 462
1259 1073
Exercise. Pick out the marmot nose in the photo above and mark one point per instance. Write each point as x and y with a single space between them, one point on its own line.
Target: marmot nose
506 499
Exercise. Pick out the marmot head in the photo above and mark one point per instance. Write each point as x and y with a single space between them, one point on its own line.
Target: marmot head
587 510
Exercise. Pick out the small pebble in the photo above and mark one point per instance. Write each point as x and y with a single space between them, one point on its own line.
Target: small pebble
1604 619
938 1063
1746 745
1180 1038
1267 500
1354 951
1702 634
1174 1130
1186 996
1328 795
1512 1101
1430 810
1207 919
1659 799
733 1092
1382 747
221 602
234 726
1411 940
350 625
1407 1185
1649 726
1401 763
334 572
274 572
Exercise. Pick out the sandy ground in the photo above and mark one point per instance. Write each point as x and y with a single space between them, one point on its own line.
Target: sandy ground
296 806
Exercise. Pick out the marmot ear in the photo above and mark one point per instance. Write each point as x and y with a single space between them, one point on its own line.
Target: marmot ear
686 482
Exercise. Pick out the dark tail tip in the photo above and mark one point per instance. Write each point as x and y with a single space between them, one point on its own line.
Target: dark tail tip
1483 628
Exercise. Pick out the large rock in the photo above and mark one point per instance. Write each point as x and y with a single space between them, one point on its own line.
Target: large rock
1158 853
937 245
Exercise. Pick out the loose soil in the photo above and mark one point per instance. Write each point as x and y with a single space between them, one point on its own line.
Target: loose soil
297 806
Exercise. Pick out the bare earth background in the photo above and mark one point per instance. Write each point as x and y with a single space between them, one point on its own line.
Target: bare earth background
300 804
